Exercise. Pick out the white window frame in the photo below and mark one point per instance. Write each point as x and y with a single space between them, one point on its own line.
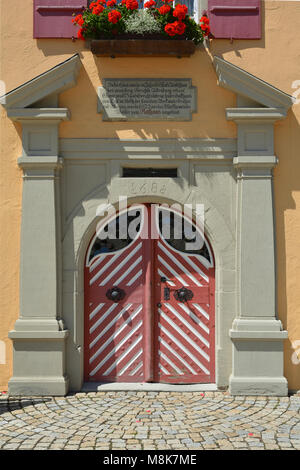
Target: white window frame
203 5
200 7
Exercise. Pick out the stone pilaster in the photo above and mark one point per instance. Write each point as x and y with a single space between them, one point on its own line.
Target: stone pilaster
256 333
39 334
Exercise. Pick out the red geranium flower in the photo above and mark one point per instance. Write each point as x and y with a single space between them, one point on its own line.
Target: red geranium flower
95 4
132 4
179 27
114 16
150 4
164 9
204 20
111 3
80 34
205 28
180 11
98 10
170 29
205 25
78 20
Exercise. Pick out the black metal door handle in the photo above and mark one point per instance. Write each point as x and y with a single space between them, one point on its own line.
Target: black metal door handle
115 294
183 294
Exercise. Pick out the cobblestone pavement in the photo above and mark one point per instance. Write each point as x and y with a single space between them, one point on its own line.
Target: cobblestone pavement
150 420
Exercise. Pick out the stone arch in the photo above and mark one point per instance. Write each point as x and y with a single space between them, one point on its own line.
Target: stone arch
223 246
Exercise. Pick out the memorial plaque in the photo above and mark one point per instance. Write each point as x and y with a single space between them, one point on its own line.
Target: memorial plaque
147 99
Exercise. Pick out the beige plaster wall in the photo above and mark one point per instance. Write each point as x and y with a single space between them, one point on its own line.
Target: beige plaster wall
275 58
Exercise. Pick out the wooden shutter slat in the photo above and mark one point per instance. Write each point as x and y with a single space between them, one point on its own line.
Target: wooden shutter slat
234 8
51 7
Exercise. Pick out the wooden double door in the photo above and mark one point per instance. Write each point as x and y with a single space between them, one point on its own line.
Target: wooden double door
149 300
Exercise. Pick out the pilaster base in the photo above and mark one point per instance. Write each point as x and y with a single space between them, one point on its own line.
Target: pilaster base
273 386
39 363
258 357
33 386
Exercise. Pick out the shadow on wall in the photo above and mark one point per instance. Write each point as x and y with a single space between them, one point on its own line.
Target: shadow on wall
208 122
209 119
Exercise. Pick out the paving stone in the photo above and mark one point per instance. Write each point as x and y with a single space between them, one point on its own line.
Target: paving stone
120 420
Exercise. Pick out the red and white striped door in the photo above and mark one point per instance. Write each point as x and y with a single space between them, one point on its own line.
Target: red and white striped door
138 326
115 328
184 316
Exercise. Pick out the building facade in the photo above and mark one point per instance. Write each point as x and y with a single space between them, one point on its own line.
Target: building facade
73 312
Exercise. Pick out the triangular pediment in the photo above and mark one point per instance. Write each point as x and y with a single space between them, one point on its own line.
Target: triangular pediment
47 85
249 88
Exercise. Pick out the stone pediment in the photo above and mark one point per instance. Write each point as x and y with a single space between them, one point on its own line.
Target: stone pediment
251 90
42 91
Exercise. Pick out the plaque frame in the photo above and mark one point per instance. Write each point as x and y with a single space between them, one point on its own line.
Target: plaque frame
113 116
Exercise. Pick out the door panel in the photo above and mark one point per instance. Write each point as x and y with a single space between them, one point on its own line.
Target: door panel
114 330
153 331
184 329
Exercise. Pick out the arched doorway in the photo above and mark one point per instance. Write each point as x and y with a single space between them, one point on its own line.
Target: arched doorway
149 299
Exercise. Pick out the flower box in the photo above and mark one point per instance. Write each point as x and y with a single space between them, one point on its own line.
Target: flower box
142 47
122 29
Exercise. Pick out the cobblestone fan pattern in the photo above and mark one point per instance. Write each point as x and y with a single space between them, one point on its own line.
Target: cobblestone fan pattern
150 420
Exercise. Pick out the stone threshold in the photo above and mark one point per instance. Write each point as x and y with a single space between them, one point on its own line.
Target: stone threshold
147 387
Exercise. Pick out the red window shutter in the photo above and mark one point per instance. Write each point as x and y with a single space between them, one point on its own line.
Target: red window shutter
53 18
235 19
